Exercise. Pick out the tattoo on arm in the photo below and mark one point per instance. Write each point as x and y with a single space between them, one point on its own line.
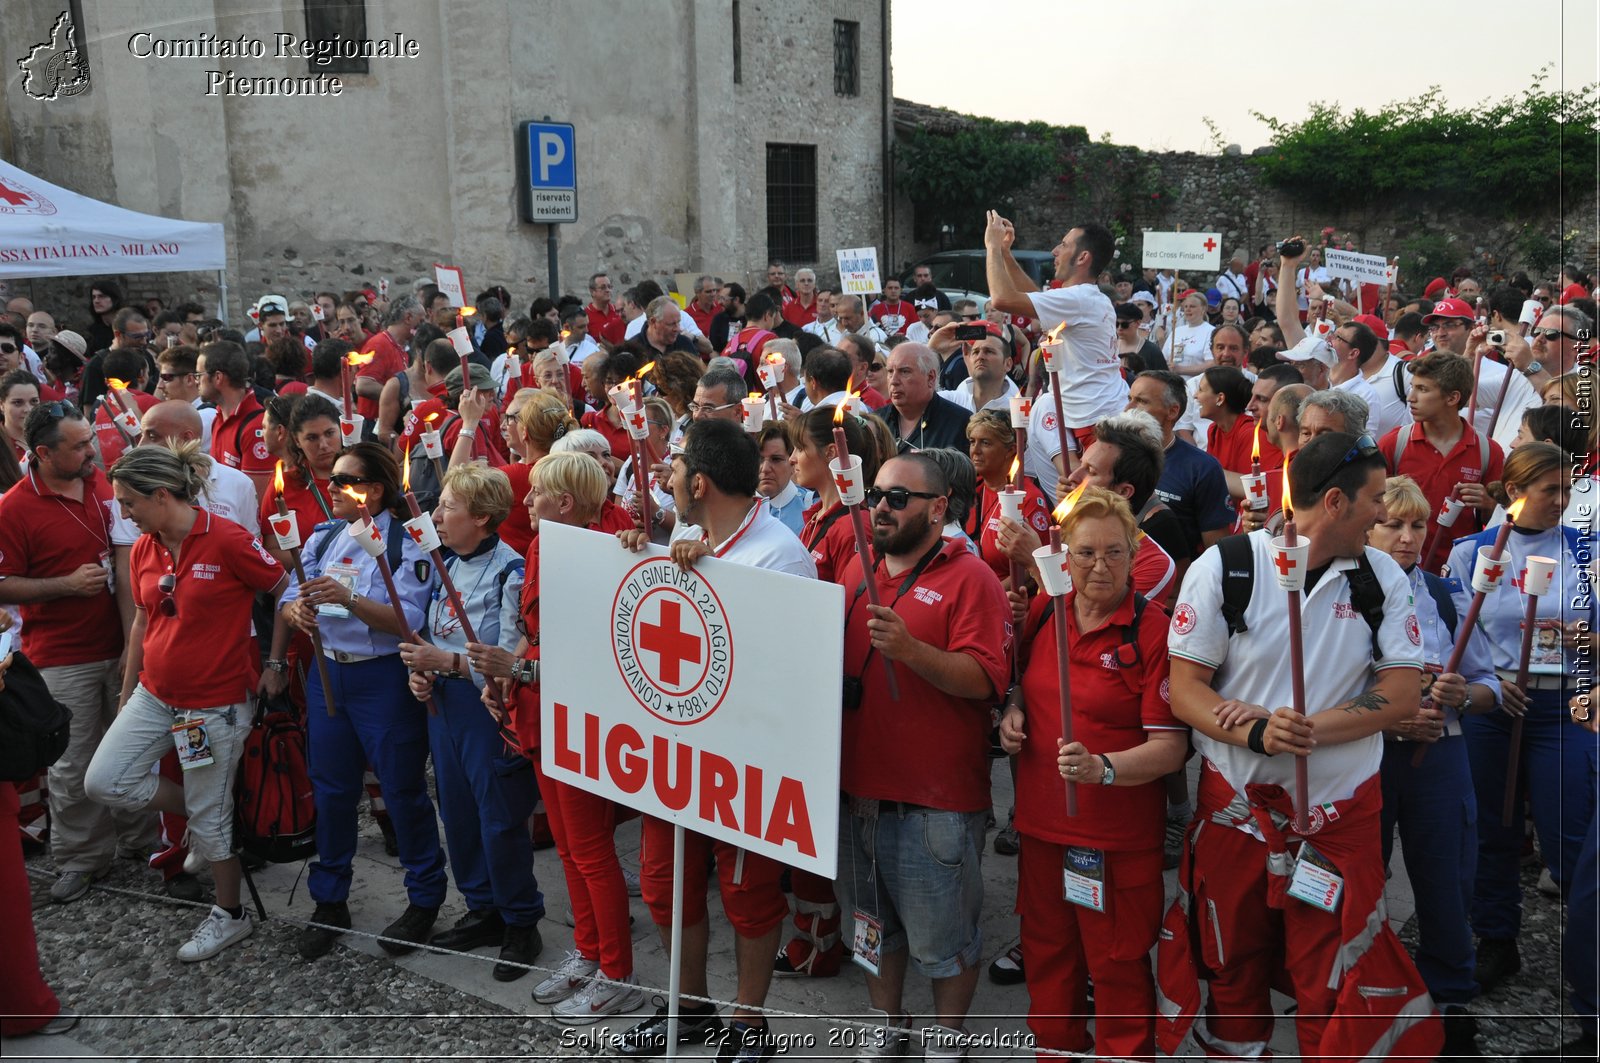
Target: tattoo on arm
1371 701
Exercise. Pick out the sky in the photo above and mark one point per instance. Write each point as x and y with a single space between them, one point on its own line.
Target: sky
1149 79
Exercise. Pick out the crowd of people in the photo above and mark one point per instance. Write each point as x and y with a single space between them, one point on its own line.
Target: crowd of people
1177 436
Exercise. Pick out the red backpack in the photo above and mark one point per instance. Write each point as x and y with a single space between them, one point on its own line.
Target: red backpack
273 801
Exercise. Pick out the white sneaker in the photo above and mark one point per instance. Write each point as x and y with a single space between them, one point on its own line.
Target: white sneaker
217 932
596 1000
630 879
568 978
884 1039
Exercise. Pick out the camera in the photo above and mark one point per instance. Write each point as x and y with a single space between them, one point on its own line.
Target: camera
1292 248
851 693
971 332
1497 338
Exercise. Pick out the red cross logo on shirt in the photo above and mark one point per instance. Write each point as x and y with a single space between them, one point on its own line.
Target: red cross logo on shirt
1284 564
1493 572
1210 244
12 196
670 642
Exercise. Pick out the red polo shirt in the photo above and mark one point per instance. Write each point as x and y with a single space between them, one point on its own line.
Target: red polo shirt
1437 474
799 314
1113 708
105 429
1232 448
1035 511
516 531
614 518
204 655
702 318
928 748
830 546
899 314
389 359
524 701
301 498
237 441
616 435
44 535
606 324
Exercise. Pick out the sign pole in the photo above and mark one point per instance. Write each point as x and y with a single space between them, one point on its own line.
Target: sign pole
551 244
674 978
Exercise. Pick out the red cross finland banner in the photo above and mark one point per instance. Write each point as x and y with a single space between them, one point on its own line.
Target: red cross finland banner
675 693
1182 251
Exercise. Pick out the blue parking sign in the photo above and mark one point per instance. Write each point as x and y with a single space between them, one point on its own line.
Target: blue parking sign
548 167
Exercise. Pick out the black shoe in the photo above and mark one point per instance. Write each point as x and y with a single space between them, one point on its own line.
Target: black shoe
391 845
696 1026
183 887
1460 1033
412 926
743 1043
522 946
1498 959
1006 842
1007 967
314 941
472 931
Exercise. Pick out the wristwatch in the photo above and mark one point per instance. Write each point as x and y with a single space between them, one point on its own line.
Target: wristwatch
278 666
1109 776
1534 368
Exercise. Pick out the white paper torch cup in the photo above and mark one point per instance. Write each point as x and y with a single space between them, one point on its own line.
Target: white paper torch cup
1540 575
638 424
770 375
286 529
422 532
350 429
1450 511
849 480
432 444
1053 575
1289 562
1055 356
1489 570
1011 504
754 414
366 533
461 339
1255 489
1021 410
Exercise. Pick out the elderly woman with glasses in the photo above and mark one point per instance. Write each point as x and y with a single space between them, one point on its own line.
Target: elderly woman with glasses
195 578
1124 736
369 716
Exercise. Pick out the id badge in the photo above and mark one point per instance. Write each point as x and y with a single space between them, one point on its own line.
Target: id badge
193 743
1083 877
1545 656
111 572
345 576
1316 881
867 949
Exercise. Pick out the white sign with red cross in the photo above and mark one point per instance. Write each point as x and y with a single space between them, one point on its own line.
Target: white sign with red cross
1182 251
661 690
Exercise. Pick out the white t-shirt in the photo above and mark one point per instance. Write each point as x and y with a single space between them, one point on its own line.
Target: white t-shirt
1318 274
1361 389
764 541
1192 343
1038 459
1391 410
1091 385
1520 397
1251 666
1234 286
962 396
686 325
233 495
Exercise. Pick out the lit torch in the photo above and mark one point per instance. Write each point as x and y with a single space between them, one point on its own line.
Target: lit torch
851 483
125 418
286 529
1055 359
1297 660
366 533
350 423
1053 576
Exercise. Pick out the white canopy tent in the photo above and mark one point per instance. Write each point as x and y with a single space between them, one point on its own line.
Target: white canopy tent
49 231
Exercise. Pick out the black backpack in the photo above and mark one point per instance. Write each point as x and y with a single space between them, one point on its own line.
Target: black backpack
1238 579
34 727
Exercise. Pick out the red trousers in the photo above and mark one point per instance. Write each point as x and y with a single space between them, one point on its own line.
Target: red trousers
26 1003
582 825
1065 945
748 882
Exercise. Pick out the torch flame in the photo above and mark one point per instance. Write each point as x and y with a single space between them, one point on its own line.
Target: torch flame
358 497
1255 448
405 474
277 479
773 358
432 417
1515 509
838 414
644 370
468 311
1016 463
116 385
1288 503
355 358
1061 511
564 334
1054 335
756 395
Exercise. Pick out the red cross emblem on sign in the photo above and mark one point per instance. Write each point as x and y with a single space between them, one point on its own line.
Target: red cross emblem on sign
12 196
1258 489
673 645
1493 572
1284 564
637 420
1210 244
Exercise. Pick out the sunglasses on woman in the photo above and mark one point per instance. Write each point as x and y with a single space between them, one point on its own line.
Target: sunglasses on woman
168 605
344 479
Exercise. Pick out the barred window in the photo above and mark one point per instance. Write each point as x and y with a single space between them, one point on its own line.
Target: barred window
327 19
792 202
846 58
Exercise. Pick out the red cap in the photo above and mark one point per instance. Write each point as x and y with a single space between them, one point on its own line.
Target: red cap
1450 308
1571 292
1435 286
1376 324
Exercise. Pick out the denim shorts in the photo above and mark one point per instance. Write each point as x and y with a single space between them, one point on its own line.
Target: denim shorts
917 871
122 772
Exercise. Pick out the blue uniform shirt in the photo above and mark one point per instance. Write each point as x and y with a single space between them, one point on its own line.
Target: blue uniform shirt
1477 666
343 557
1571 598
490 584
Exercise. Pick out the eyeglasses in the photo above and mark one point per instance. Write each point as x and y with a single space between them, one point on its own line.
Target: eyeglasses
897 497
167 378
696 409
344 479
660 424
59 408
1365 448
168 605
1552 334
877 367
1447 323
1089 558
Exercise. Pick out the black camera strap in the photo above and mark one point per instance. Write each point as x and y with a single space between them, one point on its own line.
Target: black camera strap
905 585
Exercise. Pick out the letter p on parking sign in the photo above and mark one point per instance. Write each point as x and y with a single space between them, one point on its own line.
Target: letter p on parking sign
548 172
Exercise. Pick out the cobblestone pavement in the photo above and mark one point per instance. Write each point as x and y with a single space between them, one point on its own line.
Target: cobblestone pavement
112 958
